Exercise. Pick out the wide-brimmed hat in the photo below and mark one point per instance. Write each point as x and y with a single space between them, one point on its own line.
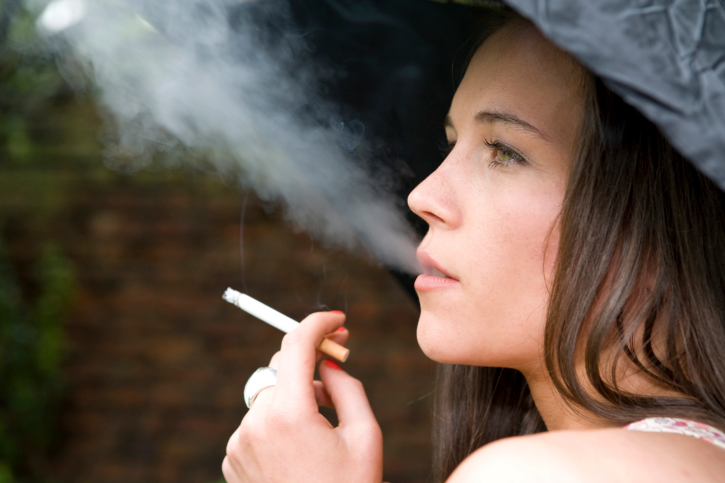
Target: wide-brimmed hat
666 58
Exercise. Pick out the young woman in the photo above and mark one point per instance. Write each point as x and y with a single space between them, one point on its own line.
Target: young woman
574 292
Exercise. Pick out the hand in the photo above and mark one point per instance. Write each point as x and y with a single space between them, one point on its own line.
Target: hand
284 438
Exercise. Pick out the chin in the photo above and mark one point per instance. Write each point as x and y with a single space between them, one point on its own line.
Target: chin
448 343
434 344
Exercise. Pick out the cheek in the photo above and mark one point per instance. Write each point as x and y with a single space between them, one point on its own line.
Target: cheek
551 249
505 250
512 254
515 240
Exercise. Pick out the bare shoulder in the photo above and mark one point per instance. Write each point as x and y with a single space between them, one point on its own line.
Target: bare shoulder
595 455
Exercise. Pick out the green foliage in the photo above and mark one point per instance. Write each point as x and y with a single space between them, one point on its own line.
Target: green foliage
31 350
29 82
18 143
31 332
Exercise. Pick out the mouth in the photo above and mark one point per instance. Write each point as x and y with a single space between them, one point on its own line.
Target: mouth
435 272
434 276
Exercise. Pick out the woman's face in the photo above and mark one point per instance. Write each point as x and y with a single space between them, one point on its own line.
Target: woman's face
492 205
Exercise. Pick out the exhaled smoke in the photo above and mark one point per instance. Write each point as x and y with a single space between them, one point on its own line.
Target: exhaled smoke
222 78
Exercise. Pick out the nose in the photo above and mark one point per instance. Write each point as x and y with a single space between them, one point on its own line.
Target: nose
435 200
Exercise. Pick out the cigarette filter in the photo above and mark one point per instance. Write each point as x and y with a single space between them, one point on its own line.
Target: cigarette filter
280 321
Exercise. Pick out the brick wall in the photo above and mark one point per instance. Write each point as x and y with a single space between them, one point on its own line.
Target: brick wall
156 360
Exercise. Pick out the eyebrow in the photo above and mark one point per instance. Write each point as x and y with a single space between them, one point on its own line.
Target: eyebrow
504 117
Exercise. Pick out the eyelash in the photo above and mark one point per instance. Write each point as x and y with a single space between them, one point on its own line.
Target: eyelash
495 146
446 148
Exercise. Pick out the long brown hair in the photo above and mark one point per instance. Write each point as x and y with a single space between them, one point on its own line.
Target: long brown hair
640 274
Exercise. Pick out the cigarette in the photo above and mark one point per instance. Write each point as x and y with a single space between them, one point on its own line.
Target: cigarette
280 321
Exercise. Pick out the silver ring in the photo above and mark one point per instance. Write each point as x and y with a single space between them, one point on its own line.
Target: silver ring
262 377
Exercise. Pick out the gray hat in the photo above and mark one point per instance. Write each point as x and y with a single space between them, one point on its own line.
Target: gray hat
664 57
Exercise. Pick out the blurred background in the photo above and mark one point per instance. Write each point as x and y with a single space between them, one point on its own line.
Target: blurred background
119 361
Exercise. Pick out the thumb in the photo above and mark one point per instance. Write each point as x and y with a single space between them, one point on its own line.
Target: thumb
348 396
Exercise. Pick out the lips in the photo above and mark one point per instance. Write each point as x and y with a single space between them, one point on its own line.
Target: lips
437 273
434 276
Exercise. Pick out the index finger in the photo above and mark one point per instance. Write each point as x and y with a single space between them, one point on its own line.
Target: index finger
297 360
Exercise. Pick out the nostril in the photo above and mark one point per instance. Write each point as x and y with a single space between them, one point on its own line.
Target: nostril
429 216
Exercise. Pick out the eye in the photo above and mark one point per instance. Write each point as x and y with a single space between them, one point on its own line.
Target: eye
506 155
503 154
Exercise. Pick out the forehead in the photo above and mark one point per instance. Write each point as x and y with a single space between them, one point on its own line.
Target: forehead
517 70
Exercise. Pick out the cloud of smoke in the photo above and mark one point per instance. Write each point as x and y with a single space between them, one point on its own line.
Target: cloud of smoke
213 77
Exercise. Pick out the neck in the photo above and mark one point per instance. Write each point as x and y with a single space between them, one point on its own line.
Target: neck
555 412
558 415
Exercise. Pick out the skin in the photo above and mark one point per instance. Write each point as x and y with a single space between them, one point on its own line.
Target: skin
493 228
498 211
284 438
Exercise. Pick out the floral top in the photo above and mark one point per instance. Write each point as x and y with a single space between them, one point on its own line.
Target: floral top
680 426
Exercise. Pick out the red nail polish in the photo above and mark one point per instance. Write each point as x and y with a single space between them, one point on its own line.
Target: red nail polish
337 312
332 365
340 329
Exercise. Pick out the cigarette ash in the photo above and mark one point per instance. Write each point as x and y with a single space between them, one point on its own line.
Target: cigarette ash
231 296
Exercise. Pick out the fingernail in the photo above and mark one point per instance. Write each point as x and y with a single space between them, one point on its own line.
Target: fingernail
337 312
332 365
340 329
